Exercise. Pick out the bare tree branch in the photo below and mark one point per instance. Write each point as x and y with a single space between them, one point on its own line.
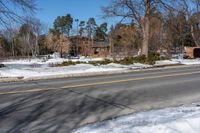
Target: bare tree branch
10 10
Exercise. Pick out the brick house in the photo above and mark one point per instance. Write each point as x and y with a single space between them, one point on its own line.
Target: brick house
87 47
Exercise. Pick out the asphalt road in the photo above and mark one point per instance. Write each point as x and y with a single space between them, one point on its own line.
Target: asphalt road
61 105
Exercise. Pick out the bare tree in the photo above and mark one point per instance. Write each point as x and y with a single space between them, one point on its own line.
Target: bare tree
139 12
36 28
57 42
29 33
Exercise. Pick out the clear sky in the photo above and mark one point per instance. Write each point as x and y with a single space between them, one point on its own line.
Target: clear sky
79 9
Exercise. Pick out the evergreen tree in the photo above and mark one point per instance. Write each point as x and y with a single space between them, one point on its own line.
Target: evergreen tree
81 29
63 24
91 27
100 33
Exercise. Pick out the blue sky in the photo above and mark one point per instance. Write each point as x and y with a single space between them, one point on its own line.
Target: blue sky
79 9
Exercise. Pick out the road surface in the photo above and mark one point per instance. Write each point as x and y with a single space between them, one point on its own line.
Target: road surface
61 105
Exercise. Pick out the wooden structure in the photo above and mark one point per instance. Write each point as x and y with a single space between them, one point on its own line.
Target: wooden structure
192 52
100 49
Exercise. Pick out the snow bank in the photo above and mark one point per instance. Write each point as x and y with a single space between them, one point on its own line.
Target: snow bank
170 120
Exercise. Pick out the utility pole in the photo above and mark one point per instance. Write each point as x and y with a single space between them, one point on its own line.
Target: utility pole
77 45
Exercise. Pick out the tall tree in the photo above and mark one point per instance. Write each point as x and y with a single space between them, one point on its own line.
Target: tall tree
64 24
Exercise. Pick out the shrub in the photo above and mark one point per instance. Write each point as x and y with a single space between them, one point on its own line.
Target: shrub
140 59
95 63
65 63
104 62
125 61
153 57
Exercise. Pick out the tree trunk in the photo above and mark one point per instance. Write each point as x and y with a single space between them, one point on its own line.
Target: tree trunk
146 28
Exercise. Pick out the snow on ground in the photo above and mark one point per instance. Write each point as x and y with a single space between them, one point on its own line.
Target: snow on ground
31 68
170 120
179 61
189 61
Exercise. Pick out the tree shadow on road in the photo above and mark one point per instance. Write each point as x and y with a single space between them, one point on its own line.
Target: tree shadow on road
52 111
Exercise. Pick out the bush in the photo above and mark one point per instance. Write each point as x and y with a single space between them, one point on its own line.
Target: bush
66 63
104 62
152 58
95 63
140 59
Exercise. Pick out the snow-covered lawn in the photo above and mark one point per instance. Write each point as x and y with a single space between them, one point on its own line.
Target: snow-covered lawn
37 68
170 120
40 68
